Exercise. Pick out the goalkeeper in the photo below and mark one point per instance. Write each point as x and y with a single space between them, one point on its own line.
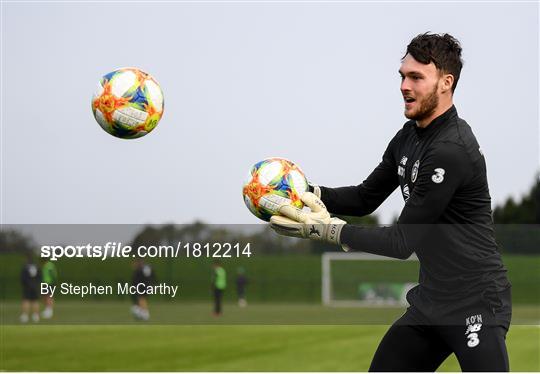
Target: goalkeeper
462 303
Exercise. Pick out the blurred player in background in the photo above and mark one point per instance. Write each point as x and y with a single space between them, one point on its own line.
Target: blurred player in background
142 273
30 283
219 284
50 277
241 282
462 304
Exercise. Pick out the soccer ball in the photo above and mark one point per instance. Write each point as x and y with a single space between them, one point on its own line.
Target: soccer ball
271 183
128 103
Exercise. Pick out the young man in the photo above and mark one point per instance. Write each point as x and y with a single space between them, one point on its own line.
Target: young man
50 277
219 284
30 283
462 303
142 273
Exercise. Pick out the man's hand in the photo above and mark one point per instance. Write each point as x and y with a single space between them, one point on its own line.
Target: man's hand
316 224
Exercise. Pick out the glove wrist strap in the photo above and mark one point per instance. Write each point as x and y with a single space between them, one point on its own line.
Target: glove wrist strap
316 190
334 232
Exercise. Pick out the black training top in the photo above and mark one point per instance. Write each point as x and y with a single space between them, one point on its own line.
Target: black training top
30 277
143 274
447 218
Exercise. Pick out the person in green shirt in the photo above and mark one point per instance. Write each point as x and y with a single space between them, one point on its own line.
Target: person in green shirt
49 276
219 284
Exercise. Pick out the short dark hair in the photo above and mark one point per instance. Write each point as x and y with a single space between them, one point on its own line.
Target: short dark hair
442 49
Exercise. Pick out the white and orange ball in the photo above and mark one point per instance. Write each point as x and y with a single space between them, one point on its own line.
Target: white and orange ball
128 103
273 182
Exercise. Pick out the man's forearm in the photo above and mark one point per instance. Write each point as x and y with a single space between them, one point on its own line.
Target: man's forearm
346 201
385 241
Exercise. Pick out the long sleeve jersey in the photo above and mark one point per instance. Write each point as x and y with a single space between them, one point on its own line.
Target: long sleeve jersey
446 219
143 274
30 277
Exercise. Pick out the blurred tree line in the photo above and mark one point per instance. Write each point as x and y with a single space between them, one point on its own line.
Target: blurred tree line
12 240
526 211
517 223
261 238
517 230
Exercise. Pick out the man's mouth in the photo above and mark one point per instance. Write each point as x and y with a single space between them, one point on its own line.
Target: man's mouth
409 101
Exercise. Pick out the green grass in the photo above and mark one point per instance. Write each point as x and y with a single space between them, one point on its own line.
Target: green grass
216 348
281 338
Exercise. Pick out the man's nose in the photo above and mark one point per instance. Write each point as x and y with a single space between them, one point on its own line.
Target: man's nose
405 86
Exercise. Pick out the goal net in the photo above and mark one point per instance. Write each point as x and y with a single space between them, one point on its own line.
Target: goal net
363 279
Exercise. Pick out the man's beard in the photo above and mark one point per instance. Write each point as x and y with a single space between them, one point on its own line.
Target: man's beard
426 107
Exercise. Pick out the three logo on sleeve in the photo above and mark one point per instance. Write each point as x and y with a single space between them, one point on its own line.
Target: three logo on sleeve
438 177
474 325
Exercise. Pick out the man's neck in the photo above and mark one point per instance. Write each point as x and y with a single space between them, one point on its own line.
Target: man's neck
440 110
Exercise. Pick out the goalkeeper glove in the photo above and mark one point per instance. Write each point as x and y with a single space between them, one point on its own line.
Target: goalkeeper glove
315 189
316 224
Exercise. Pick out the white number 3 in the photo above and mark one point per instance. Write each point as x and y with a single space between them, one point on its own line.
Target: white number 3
473 340
438 177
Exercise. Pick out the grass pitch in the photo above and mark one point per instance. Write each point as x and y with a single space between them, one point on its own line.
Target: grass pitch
195 341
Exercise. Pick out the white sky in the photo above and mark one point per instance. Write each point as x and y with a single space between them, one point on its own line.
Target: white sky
315 82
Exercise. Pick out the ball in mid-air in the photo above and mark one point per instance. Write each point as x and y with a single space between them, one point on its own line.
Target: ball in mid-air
271 183
128 103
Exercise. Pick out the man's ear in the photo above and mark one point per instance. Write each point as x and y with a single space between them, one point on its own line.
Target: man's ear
447 82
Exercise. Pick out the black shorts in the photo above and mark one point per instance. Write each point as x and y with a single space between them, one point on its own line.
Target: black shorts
29 293
136 296
475 333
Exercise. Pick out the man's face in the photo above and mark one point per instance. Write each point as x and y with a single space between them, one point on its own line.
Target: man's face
419 87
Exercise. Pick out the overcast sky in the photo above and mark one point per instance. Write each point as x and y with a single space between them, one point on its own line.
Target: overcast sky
313 82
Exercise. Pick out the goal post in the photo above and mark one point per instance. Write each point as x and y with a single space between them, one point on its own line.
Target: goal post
366 280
